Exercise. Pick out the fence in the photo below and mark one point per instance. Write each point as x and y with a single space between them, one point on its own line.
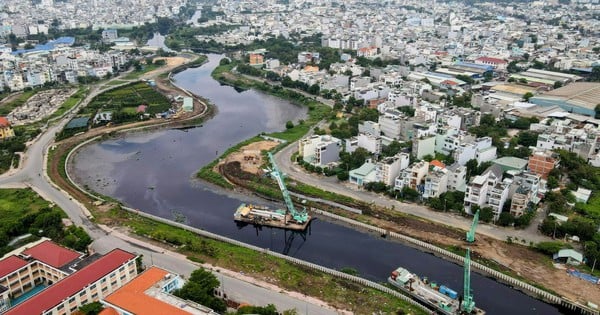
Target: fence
573 306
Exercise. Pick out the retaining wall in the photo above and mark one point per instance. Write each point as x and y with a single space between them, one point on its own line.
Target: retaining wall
547 296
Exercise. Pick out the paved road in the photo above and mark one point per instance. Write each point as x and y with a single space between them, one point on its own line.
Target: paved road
32 174
294 171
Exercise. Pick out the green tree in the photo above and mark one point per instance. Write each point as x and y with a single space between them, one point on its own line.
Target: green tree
597 111
289 124
506 219
200 288
486 214
93 308
527 96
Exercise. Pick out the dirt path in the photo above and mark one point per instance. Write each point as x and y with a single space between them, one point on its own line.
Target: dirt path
515 258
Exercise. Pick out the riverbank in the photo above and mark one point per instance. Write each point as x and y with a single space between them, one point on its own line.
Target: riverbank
518 261
343 295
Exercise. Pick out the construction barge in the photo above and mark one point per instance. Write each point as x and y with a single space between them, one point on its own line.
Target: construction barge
289 219
441 299
264 216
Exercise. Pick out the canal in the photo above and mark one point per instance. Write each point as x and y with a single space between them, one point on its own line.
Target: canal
153 171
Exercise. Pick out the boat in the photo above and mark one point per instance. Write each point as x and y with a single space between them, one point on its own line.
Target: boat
289 219
440 298
265 216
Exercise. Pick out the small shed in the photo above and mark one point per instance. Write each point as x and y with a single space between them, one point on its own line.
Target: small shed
79 122
568 256
188 104
141 109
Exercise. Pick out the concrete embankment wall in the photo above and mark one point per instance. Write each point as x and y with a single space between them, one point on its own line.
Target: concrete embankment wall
297 261
547 296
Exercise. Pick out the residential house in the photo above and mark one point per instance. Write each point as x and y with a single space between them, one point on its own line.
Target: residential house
542 162
457 177
364 174
487 190
5 129
436 182
412 176
388 169
423 146
320 150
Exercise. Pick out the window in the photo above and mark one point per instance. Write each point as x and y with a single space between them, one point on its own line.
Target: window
71 300
94 296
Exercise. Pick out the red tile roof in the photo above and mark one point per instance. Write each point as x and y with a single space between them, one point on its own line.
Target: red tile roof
52 254
10 264
4 122
437 163
67 287
132 297
491 60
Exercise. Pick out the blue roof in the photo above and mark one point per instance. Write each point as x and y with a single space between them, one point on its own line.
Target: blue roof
48 46
78 123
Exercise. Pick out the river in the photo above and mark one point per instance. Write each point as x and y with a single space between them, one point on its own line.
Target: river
153 171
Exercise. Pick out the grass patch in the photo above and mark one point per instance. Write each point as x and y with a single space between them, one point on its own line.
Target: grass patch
337 292
7 107
24 211
137 74
70 102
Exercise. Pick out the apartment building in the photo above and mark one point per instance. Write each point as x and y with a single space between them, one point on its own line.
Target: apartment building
89 284
320 150
362 140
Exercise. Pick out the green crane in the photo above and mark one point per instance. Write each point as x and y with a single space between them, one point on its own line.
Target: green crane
300 216
471 232
468 305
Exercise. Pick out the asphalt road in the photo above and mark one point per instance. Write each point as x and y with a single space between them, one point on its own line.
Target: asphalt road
31 173
331 184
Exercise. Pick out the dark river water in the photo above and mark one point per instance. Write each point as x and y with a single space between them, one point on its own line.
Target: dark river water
153 172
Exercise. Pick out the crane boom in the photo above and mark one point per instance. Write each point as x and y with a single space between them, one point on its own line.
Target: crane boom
468 305
471 232
298 216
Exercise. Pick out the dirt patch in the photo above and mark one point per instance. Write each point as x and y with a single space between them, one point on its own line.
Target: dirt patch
515 258
250 156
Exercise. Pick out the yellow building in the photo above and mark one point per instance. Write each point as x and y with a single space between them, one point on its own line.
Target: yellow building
5 130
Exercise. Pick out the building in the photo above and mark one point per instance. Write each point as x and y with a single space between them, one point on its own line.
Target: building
487 190
389 168
481 150
579 97
109 35
423 146
188 104
256 59
436 182
150 293
412 177
320 150
568 256
91 283
498 64
510 163
364 174
457 177
542 162
6 131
